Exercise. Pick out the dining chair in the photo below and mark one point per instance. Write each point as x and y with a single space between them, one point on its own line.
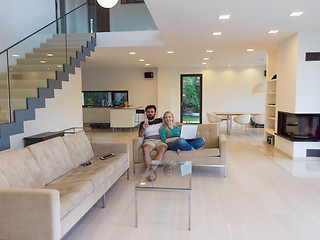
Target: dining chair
258 120
243 120
213 118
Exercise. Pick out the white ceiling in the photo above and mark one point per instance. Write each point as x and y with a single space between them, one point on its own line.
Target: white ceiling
186 27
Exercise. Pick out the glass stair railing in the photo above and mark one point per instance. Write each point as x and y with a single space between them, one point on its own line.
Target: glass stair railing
41 59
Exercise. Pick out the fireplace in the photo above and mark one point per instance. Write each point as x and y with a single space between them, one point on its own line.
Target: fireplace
298 127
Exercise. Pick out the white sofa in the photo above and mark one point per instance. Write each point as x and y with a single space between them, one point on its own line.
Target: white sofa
44 189
214 153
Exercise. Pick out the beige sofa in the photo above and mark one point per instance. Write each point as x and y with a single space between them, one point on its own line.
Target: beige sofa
44 189
214 153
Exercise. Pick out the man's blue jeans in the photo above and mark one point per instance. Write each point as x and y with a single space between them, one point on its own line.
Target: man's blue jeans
186 145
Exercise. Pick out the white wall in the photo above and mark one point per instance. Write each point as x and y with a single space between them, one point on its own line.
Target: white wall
224 89
61 112
20 18
308 74
131 17
287 70
141 91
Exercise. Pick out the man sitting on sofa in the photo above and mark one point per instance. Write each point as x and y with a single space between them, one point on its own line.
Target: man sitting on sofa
152 141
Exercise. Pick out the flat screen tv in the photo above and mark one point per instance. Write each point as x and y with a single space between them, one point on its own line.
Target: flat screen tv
104 98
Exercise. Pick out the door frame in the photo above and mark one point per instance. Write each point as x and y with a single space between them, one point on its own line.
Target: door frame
181 90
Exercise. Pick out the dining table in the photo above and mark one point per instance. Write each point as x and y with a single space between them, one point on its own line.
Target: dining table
229 117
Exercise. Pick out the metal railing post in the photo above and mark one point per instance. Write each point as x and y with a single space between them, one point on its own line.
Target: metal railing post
8 79
66 40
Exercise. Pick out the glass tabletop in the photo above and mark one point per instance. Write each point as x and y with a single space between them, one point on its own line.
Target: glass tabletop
175 175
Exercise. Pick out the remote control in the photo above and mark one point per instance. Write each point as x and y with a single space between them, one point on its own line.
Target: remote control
107 156
86 164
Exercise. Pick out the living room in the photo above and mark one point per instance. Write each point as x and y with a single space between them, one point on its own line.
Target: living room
266 194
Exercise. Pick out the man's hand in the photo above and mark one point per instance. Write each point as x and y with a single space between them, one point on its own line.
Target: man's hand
143 129
145 125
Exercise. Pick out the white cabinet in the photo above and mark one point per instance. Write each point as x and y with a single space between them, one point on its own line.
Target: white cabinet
123 117
96 115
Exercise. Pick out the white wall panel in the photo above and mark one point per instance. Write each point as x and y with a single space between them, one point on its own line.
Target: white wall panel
308 74
287 70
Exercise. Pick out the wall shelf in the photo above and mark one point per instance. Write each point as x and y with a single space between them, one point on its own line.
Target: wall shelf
271 131
270 108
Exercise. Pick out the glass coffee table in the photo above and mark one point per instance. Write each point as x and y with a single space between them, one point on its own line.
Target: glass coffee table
166 176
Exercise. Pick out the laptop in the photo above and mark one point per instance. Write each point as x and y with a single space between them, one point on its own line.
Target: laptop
189 131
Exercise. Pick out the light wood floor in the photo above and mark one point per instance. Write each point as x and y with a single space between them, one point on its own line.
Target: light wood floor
259 200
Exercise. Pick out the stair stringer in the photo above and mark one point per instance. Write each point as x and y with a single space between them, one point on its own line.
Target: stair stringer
17 127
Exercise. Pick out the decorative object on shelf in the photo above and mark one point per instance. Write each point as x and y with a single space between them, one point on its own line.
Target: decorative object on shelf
270 140
260 88
107 3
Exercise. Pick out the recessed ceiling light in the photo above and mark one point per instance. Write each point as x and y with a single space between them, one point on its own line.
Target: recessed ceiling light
132 53
43 61
204 63
229 65
206 58
147 64
170 52
15 55
250 50
216 33
295 14
59 66
273 31
224 17
141 60
209 51
49 54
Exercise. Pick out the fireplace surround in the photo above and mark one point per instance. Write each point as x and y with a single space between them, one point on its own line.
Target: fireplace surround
299 127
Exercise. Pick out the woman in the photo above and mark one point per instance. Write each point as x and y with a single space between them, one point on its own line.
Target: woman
170 134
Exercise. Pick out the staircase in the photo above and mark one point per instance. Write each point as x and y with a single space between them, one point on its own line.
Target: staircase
35 77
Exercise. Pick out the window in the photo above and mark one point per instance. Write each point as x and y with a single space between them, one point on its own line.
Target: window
191 98
104 98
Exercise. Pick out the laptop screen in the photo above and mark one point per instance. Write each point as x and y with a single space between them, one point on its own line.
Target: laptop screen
189 131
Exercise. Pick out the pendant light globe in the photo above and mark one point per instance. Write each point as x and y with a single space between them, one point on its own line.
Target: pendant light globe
107 3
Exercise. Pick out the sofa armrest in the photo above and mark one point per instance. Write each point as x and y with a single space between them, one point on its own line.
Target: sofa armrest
223 147
30 214
102 148
136 145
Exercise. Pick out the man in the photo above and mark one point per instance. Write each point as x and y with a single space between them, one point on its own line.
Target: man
152 141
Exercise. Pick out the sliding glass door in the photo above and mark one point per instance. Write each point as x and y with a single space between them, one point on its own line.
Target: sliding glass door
191 98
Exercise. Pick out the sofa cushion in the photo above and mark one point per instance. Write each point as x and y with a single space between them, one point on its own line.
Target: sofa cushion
79 147
19 169
210 133
207 152
72 192
53 158
100 170
77 184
